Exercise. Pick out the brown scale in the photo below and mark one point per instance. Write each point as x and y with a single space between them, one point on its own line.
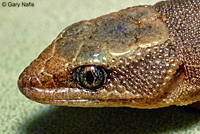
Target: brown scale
148 55
184 25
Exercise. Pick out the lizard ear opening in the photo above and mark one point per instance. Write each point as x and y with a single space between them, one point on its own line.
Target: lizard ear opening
178 78
180 71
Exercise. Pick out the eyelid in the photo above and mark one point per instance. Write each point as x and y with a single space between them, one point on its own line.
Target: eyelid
100 79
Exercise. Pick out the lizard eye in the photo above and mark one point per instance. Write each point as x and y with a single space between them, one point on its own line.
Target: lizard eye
90 77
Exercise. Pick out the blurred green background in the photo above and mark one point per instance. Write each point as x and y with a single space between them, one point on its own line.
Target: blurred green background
24 33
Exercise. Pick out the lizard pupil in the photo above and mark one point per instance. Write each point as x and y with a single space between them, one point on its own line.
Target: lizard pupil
90 77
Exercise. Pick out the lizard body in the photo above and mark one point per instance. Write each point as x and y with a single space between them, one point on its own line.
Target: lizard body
140 57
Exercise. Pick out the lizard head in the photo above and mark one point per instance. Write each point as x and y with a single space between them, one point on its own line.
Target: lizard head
121 59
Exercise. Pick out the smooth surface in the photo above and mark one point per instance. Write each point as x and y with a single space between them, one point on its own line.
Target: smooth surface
25 32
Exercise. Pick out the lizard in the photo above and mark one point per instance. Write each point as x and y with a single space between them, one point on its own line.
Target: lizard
140 57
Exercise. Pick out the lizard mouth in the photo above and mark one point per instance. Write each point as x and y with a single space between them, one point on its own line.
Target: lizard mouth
66 96
63 96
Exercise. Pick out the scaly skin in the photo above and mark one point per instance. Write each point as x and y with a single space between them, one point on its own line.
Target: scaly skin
150 54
